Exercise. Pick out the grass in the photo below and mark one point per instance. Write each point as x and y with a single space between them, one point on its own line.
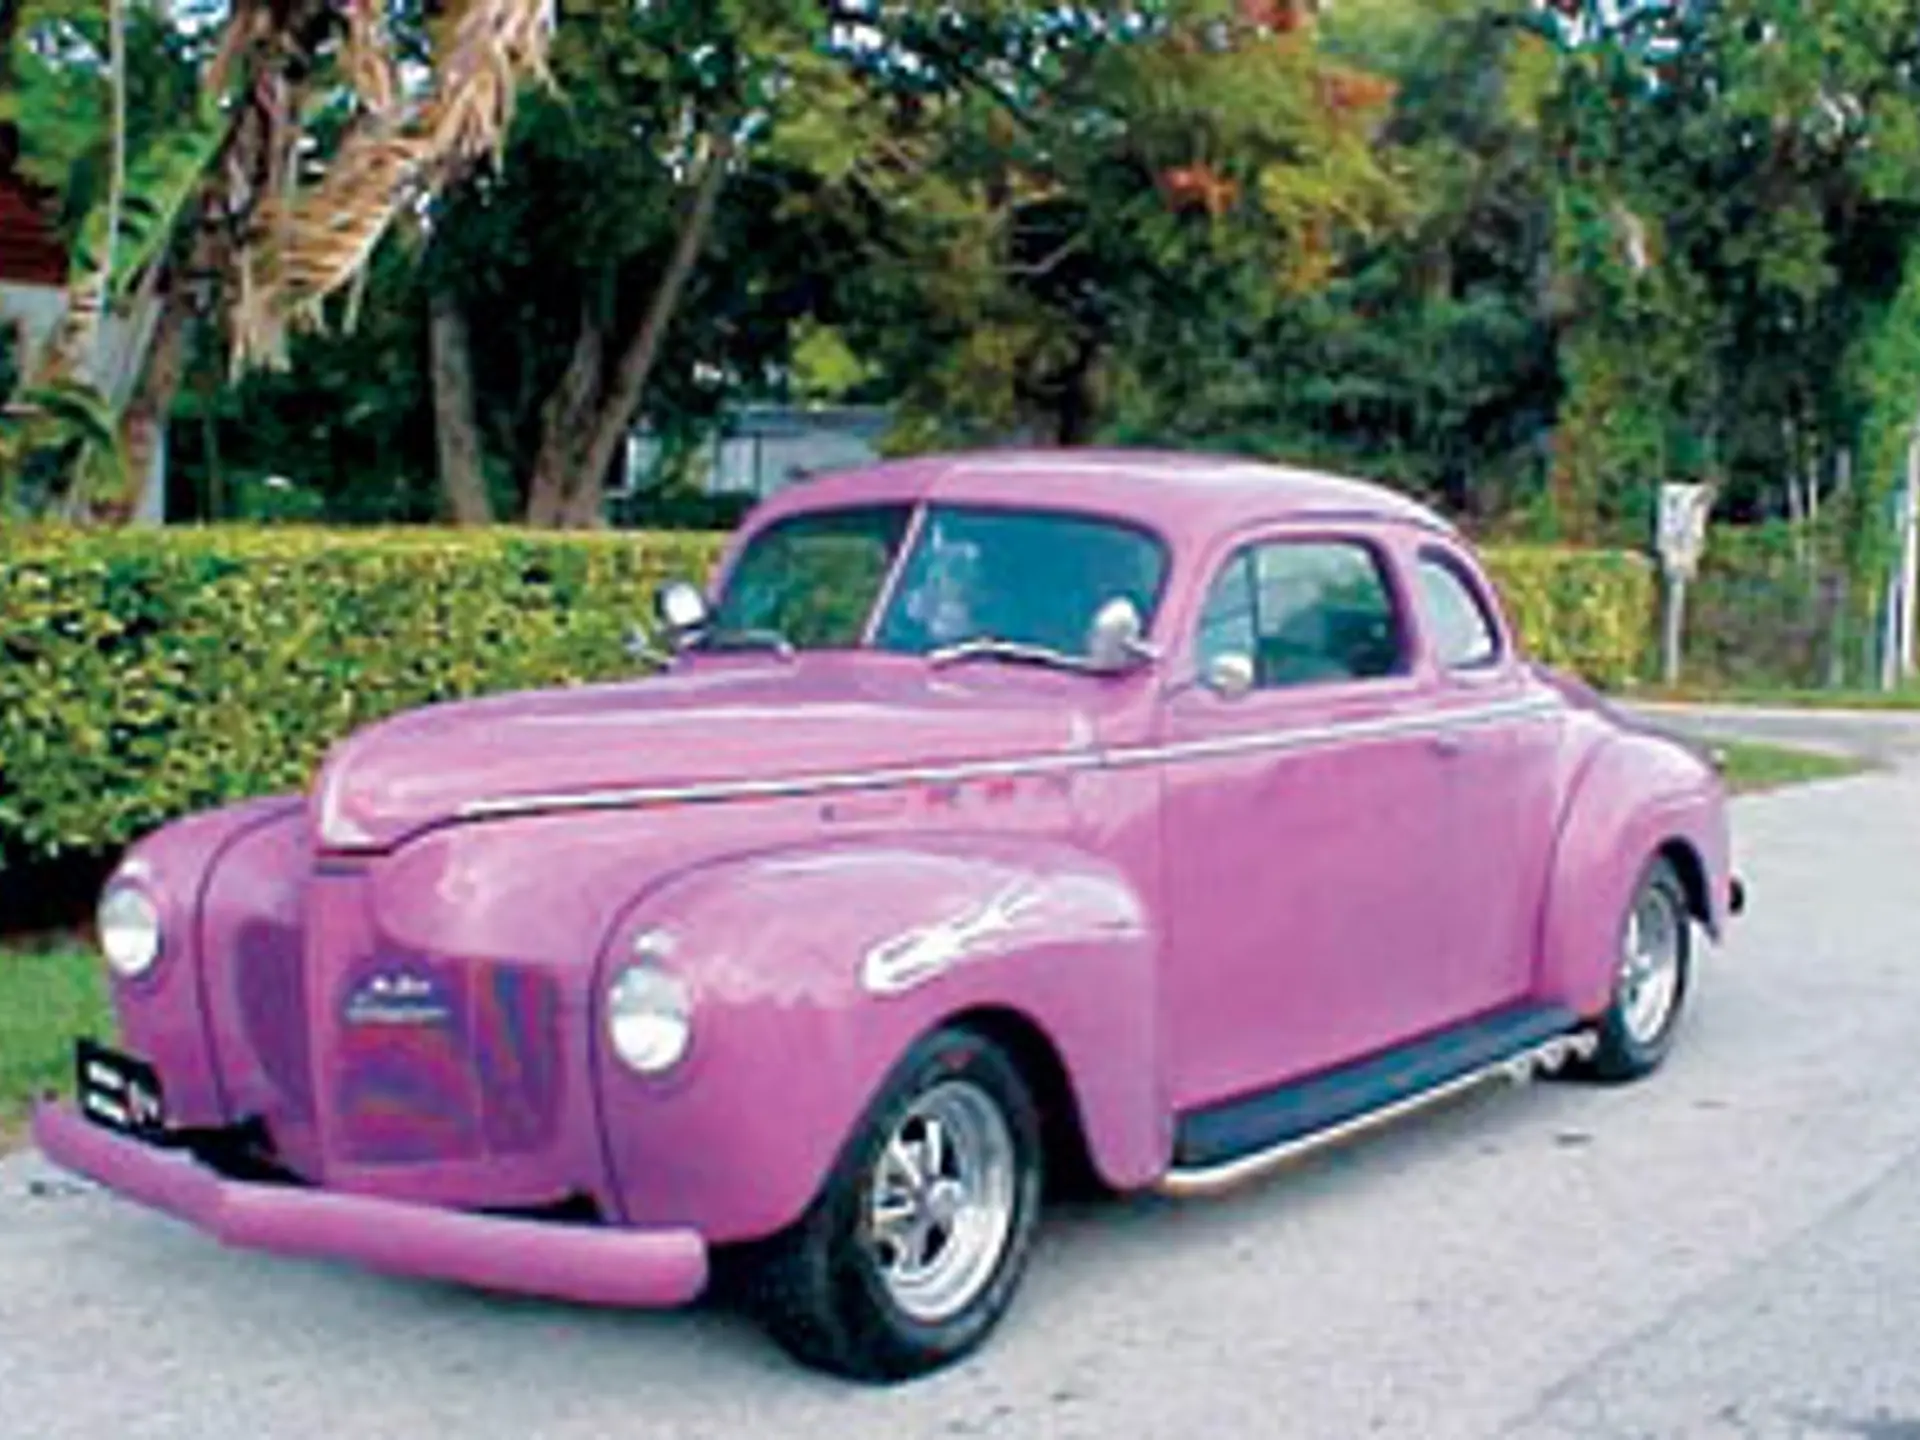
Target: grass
1907 698
1753 768
50 991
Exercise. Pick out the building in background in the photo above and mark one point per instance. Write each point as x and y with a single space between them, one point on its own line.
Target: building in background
762 448
33 300
33 263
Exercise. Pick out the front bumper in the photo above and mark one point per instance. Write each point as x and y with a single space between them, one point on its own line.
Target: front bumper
589 1264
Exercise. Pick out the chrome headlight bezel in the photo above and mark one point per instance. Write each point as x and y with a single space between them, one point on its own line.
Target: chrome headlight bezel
132 936
649 1019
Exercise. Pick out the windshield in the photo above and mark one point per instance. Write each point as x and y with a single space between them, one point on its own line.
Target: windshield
1023 576
813 579
1031 578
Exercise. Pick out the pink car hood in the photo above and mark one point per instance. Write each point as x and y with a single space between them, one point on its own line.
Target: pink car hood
716 723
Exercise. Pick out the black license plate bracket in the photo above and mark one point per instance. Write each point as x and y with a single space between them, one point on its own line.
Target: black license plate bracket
119 1092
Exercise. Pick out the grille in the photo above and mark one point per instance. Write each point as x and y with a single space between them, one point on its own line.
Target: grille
441 1059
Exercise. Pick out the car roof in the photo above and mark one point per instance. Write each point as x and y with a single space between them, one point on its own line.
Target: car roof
1185 496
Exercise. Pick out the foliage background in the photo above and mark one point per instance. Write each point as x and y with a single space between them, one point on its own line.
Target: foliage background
147 674
1526 260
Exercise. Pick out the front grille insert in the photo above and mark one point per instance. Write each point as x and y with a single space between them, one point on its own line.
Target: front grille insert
440 1059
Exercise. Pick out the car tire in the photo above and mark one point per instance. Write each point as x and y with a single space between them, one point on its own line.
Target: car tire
867 1284
1652 976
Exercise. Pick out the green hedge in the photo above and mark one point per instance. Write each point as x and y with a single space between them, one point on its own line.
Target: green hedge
147 674
1769 608
144 675
1594 612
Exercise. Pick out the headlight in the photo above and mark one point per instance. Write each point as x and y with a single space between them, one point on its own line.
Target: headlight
129 930
649 1019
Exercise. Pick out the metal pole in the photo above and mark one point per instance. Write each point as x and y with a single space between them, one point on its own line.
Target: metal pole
1674 628
1909 589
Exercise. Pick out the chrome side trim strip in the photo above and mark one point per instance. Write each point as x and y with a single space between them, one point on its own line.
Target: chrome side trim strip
1544 1058
788 786
836 783
1393 727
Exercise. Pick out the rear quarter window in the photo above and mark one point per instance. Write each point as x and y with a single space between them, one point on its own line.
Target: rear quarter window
1458 622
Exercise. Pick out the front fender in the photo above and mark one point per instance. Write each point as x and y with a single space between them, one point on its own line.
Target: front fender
1637 795
165 1016
814 969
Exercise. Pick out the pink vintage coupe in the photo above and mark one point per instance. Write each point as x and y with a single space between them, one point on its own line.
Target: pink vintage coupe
1147 817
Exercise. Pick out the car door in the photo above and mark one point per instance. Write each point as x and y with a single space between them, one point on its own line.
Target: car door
1303 807
1502 742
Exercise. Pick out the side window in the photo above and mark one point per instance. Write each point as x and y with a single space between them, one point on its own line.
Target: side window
1305 612
1226 625
1464 637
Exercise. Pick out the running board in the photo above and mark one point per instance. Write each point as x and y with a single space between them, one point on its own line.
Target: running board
1517 1069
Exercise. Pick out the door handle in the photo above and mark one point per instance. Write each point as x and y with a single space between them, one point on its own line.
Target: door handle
1449 746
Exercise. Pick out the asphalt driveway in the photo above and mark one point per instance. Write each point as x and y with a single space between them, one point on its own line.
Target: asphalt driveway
1730 1250
1883 737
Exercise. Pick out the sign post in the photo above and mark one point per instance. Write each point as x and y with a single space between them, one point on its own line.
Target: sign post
1680 539
1903 607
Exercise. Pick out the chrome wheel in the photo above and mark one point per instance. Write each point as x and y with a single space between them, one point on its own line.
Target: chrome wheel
942 1201
1652 953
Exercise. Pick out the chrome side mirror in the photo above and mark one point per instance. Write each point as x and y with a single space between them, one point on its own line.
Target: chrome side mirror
680 612
1230 675
1114 643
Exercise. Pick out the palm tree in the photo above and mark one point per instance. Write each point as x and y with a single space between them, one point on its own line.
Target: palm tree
227 215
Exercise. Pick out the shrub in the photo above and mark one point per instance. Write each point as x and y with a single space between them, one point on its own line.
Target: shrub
1768 608
1593 612
147 674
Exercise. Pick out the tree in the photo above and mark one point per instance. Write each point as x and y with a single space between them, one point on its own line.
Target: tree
90 111
1427 358
223 188
1067 192
570 265
1736 190
673 135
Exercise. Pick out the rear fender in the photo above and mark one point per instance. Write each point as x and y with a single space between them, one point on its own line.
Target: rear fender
1639 794
813 970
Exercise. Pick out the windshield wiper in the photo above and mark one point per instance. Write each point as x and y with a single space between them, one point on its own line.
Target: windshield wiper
989 647
718 640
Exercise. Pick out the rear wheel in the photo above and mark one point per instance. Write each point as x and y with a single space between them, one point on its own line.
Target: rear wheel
912 1251
1651 978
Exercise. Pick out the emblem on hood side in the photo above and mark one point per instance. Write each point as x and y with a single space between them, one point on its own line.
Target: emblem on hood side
397 998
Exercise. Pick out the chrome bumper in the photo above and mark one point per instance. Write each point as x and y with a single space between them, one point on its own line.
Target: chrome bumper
589 1264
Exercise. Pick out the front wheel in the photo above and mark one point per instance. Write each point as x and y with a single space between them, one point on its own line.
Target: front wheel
1651 979
912 1251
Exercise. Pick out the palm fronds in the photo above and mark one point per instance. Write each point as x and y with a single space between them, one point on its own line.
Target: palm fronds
225 186
70 416
313 241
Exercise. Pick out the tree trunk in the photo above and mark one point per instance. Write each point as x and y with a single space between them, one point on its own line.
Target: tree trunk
144 422
456 434
214 502
562 420
76 350
117 177
614 415
1076 406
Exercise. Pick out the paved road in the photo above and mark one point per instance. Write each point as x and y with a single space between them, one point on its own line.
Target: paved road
1730 1251
1883 737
